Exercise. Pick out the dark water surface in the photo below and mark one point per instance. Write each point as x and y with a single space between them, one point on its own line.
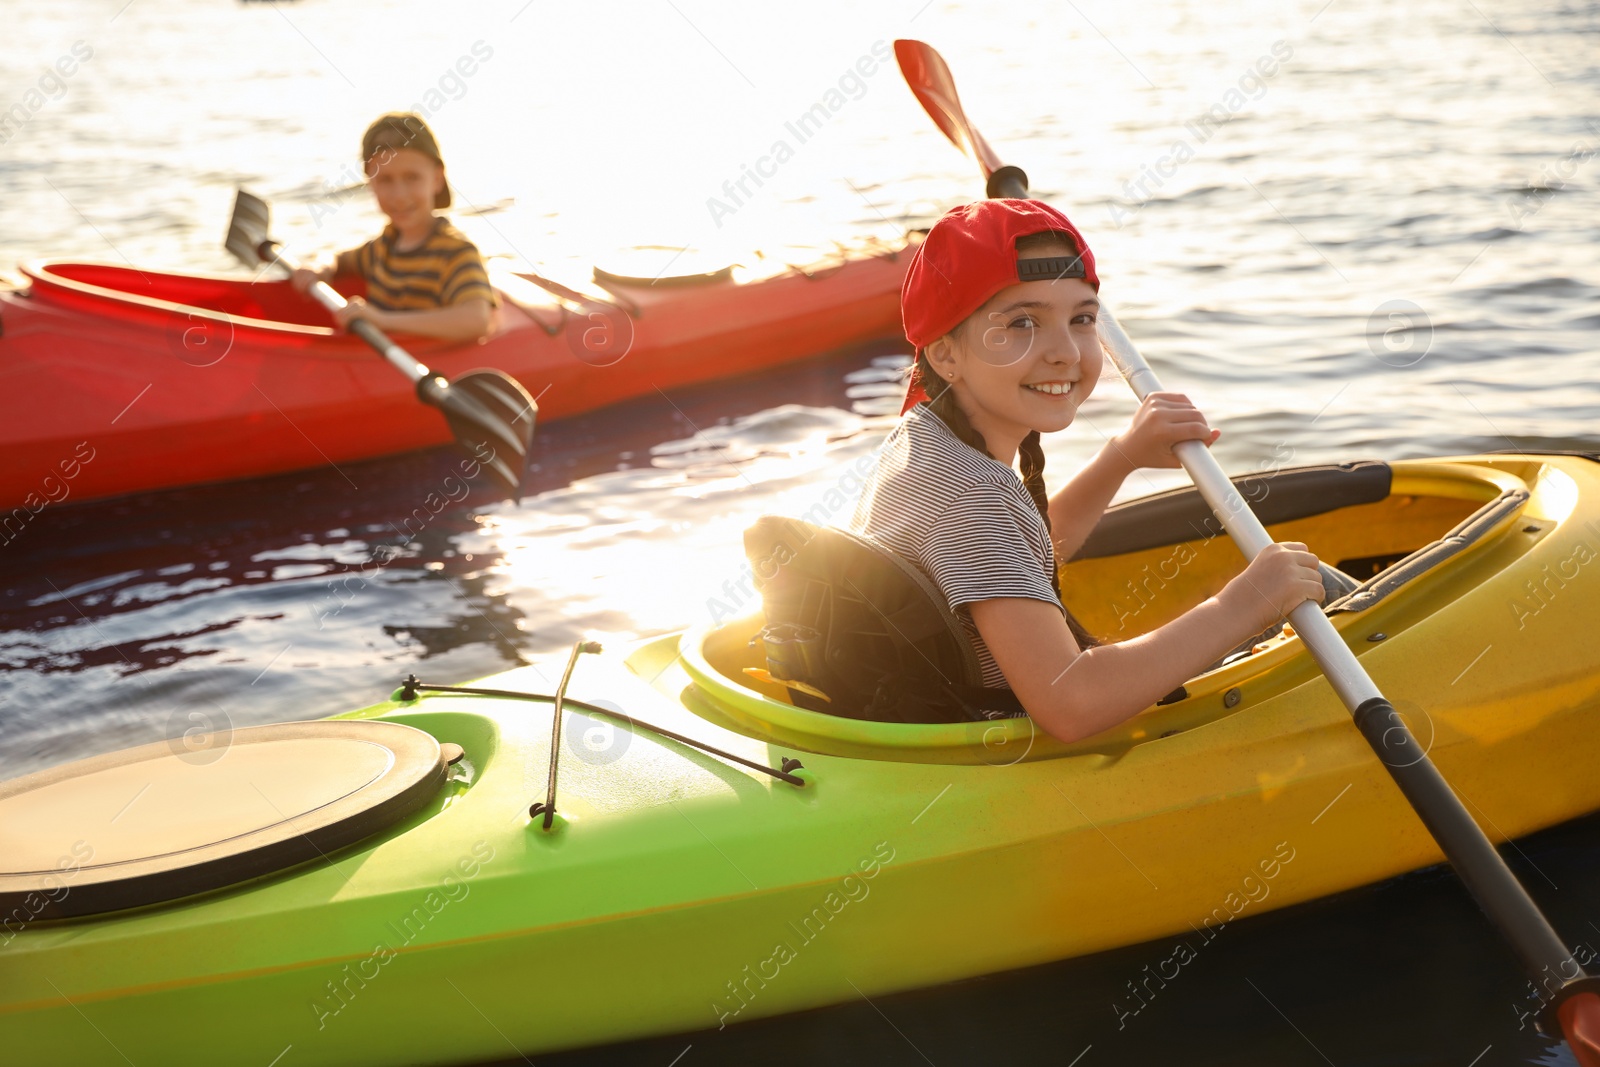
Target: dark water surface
1387 250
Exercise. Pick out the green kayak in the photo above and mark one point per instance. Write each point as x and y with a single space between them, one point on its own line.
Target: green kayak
811 858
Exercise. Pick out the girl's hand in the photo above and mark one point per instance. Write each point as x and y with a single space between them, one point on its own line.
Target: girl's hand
357 308
1163 419
1281 578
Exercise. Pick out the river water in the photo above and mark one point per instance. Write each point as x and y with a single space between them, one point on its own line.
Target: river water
1347 229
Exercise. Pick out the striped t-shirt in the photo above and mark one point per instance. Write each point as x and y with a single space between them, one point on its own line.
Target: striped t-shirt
963 518
444 270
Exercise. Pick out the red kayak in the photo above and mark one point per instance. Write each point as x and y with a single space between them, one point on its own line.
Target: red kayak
120 380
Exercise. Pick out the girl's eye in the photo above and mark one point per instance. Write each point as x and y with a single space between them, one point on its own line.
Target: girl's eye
1024 322
1086 319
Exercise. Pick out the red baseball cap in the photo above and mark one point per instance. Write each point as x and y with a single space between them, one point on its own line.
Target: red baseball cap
970 255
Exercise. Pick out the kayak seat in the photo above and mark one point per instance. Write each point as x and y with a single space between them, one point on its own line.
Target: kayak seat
854 630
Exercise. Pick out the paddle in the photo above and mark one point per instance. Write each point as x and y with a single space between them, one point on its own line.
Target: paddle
1573 997
490 414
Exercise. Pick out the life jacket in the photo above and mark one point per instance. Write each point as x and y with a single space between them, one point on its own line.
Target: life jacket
861 631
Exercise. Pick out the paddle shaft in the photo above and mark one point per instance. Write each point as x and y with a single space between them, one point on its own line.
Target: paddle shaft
329 297
1496 889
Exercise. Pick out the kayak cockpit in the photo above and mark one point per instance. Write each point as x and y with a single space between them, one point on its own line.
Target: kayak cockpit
1415 535
125 292
1152 559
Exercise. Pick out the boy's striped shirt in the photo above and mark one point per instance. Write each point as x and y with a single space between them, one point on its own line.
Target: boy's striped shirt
444 270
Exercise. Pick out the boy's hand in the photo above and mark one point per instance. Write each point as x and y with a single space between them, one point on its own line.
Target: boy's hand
303 278
1163 419
357 308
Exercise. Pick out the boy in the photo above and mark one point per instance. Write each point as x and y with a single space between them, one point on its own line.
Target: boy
423 276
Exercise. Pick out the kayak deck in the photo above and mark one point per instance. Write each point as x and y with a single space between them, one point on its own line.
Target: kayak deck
678 891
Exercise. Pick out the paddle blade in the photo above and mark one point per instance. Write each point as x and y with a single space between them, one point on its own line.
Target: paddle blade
934 87
492 417
1580 1024
249 228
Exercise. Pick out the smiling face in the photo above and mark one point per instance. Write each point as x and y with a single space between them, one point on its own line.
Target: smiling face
405 182
1026 360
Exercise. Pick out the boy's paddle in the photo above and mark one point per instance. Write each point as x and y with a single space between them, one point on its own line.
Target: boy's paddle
489 412
1572 997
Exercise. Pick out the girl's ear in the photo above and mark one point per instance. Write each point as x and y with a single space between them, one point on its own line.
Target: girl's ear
941 356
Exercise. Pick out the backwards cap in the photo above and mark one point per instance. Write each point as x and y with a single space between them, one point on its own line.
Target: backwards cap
970 255
402 129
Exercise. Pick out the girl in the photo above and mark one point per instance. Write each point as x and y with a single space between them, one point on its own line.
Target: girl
1000 302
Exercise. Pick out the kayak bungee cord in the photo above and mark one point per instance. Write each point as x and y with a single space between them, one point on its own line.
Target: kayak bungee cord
1571 997
412 686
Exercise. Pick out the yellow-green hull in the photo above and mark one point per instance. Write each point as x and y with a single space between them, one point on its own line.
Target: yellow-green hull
680 892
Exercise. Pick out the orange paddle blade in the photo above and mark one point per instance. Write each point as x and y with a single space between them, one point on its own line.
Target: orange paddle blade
935 89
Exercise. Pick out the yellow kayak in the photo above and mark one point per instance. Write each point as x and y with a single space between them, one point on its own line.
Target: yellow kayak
679 889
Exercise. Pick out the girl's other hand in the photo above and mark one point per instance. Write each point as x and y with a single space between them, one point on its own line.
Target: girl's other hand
1163 419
